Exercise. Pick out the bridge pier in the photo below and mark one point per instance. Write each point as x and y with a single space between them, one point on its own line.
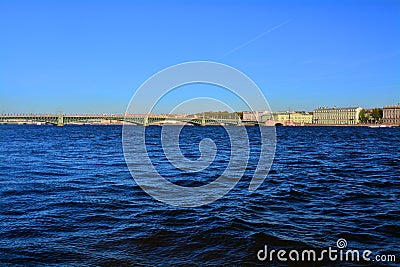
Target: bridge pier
203 121
60 120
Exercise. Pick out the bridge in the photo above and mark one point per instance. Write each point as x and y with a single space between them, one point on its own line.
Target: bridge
62 119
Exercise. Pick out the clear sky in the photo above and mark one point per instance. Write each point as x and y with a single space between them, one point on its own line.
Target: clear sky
91 56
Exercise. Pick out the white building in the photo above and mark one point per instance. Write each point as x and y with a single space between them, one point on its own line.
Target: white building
391 114
260 116
337 116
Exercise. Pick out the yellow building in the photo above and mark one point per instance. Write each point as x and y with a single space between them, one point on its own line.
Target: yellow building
294 117
336 116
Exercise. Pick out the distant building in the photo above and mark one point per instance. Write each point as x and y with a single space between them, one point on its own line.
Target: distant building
260 116
336 116
391 114
276 115
294 117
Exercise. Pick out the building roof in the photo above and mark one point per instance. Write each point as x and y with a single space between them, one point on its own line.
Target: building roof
398 106
335 108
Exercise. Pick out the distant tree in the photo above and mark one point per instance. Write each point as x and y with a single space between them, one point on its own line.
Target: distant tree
377 114
363 117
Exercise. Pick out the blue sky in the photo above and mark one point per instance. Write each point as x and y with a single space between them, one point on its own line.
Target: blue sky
91 56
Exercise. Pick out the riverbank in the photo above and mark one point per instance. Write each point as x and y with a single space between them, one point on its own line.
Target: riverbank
181 124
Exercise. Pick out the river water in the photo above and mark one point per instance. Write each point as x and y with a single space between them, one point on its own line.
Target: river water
68 198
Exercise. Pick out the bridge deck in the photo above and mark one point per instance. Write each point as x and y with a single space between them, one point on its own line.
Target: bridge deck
135 119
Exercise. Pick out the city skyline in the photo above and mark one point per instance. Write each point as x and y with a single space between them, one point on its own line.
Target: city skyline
90 57
181 112
178 111
336 116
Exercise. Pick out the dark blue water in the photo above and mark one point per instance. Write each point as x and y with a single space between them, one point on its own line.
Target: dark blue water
67 198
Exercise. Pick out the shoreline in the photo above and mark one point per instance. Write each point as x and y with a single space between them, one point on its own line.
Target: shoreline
244 124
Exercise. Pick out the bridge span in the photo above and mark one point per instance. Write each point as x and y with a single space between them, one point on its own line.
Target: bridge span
62 119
